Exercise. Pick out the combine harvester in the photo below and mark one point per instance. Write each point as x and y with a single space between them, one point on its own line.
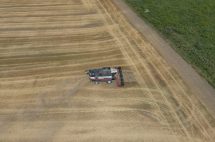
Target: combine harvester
106 74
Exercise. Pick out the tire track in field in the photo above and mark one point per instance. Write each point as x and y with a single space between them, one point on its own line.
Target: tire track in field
174 90
170 104
170 75
133 64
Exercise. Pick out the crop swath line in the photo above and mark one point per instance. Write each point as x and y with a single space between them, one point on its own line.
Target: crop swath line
177 118
172 88
149 55
130 60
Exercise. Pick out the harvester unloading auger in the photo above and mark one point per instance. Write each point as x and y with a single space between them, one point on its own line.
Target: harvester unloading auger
106 74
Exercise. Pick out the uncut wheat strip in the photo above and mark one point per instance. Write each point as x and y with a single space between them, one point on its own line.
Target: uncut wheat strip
54 39
45 13
35 8
54 53
55 32
65 63
54 57
53 18
32 3
47 71
74 45
28 82
56 67
52 50
49 25
112 62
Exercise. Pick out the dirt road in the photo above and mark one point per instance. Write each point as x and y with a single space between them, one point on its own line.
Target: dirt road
197 83
45 47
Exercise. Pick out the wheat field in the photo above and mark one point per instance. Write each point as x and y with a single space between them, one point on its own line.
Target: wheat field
45 95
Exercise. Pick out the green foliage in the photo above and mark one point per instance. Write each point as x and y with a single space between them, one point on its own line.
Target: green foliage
189 25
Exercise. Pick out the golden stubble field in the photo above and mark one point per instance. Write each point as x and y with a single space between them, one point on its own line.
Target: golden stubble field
45 47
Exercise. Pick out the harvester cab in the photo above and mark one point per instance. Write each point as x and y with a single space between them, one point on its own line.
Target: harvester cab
106 74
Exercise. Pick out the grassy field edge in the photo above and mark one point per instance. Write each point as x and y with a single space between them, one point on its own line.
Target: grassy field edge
191 35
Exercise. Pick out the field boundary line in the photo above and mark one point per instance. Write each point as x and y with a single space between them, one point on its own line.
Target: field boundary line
199 86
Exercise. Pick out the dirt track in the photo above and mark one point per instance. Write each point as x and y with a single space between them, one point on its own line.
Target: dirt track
197 83
45 47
